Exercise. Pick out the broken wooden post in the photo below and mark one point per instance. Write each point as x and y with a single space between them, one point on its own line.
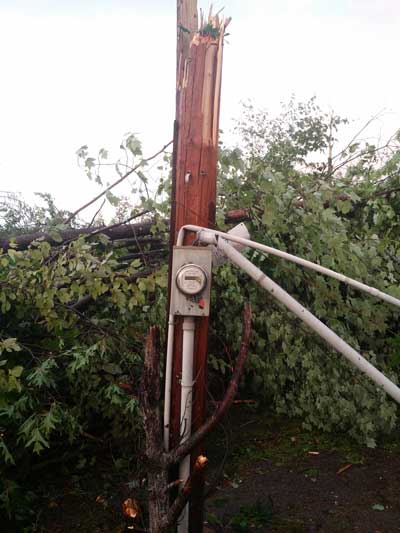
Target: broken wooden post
199 69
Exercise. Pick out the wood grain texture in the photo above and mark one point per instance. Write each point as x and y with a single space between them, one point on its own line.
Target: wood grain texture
199 65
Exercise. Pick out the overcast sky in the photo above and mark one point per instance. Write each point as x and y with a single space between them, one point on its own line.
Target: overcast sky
77 72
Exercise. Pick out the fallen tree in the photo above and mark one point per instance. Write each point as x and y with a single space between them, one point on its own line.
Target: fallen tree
115 232
56 238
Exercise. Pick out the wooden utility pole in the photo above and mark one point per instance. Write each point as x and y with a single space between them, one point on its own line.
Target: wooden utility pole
199 68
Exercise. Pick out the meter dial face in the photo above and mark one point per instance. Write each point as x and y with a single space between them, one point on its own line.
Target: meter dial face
191 279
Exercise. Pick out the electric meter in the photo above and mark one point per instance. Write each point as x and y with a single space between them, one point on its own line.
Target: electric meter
191 279
191 272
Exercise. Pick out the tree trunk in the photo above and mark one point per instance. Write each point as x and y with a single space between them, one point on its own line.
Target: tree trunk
123 231
150 404
162 516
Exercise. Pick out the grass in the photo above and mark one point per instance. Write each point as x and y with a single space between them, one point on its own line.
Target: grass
256 515
281 441
252 437
248 517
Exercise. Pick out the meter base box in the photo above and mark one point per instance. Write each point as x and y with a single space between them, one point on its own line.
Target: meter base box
193 257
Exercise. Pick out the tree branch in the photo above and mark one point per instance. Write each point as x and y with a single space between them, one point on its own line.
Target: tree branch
357 135
118 224
185 448
97 212
120 180
385 193
150 395
357 156
87 300
114 232
183 497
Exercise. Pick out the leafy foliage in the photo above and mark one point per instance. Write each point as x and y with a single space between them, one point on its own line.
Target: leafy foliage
68 369
17 216
339 213
68 364
256 515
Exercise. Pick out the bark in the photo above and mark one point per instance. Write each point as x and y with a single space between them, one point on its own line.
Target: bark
122 234
162 517
183 449
234 216
158 252
150 406
181 500
126 231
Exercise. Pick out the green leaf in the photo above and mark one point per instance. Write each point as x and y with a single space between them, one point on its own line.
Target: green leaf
90 162
50 420
114 200
37 441
268 216
13 254
16 371
55 235
9 345
133 144
103 153
4 451
345 207
112 368
378 507
42 375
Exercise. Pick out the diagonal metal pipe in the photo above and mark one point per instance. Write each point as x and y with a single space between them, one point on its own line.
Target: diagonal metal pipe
312 321
210 236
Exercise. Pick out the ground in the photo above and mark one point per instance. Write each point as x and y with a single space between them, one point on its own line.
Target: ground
273 477
284 479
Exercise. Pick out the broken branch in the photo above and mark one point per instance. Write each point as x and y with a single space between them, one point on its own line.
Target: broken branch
183 497
120 180
184 449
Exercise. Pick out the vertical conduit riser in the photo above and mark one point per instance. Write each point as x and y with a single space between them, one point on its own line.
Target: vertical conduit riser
313 322
221 239
168 380
186 407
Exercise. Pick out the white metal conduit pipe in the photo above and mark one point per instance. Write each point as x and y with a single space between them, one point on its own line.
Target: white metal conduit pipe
323 331
209 236
186 408
214 237
168 380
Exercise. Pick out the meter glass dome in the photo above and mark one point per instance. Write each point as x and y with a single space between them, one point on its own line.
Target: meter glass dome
191 279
